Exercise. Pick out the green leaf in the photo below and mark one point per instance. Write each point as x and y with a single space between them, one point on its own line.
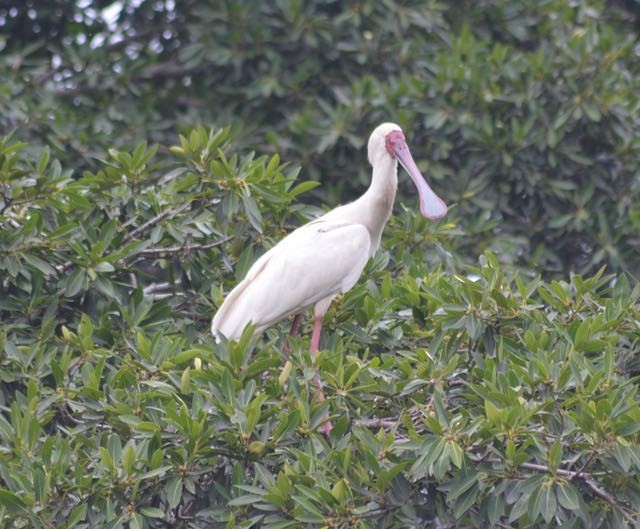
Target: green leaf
273 164
303 188
159 471
492 412
43 160
555 455
173 490
543 501
104 266
386 476
495 507
252 211
136 521
75 283
128 457
106 459
40 264
40 485
78 514
462 484
456 454
184 380
12 502
152 512
568 496
436 119
246 499
309 507
622 455
413 386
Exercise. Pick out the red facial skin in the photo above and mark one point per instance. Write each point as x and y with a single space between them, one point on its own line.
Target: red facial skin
392 140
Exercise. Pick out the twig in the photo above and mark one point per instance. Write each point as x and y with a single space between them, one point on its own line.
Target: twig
64 266
588 480
178 249
586 464
543 468
386 424
606 496
165 295
158 287
159 251
153 221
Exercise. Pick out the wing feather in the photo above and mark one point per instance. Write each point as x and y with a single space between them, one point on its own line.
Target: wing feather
318 260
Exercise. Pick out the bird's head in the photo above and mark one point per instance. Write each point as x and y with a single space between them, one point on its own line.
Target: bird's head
381 140
388 140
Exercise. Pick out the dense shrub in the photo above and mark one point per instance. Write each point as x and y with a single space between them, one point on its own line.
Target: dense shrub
483 372
526 111
470 396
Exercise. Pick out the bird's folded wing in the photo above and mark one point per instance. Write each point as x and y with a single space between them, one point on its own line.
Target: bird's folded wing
318 260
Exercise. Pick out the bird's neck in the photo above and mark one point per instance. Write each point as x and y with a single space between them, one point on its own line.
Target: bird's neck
380 196
382 191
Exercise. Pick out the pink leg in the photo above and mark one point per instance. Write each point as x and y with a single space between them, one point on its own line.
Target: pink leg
315 347
295 325
315 335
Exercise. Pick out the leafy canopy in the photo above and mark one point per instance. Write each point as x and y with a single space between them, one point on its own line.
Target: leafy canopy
483 372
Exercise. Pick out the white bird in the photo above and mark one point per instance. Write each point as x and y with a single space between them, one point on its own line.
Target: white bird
326 256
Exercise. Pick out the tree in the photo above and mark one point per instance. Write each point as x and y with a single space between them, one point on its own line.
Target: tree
481 373
526 112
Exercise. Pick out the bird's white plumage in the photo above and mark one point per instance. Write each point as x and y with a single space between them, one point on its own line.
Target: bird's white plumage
315 262
326 256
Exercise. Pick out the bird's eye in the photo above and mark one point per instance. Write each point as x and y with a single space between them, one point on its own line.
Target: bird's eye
390 145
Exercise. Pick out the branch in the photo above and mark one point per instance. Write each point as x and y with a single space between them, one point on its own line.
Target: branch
570 474
153 222
386 424
130 236
64 266
165 295
586 464
593 485
587 478
159 251
183 247
157 287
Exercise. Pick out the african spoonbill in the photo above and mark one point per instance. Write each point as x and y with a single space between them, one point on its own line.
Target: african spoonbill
326 256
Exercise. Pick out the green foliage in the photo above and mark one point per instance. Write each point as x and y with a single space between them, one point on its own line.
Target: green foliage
483 372
474 395
526 111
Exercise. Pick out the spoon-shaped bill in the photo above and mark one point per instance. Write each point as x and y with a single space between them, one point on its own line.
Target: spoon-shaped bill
431 205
